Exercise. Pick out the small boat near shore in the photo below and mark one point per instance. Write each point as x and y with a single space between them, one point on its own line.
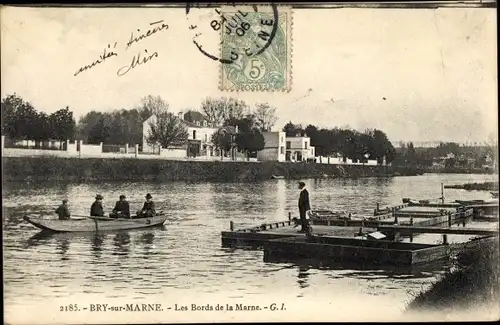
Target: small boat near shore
277 177
94 224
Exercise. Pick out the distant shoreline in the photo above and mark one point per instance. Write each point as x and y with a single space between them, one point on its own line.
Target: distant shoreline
485 186
90 169
460 170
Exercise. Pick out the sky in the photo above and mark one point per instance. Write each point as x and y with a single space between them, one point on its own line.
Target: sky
417 74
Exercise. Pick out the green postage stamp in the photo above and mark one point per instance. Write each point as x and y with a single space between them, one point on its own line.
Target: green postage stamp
256 48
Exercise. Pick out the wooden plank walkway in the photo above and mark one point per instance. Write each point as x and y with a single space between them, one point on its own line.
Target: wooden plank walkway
320 230
431 211
388 210
482 205
438 230
257 236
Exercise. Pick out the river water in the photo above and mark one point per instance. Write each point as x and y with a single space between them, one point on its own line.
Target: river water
184 262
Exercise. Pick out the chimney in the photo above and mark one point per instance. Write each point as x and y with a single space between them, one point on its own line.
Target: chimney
180 115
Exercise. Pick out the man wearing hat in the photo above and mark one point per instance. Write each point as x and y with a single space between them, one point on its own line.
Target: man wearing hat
304 206
148 210
63 211
96 209
122 208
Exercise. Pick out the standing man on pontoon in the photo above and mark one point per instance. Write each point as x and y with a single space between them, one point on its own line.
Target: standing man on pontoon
304 207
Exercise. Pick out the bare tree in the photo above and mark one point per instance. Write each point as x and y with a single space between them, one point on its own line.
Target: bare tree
267 116
219 110
154 104
166 129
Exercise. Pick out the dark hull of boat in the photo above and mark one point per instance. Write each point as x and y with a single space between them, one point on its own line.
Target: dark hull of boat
96 224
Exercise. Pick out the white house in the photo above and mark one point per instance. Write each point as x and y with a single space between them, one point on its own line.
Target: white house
199 142
274 147
299 148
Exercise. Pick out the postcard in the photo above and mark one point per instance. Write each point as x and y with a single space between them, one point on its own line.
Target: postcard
250 162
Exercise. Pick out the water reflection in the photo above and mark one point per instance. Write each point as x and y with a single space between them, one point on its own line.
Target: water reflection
38 239
147 239
62 247
280 190
361 270
303 276
97 240
121 241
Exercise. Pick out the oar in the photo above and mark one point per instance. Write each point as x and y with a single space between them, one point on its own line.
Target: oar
75 217
82 217
79 217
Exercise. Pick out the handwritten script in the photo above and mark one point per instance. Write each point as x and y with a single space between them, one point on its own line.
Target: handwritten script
140 58
136 61
101 59
150 32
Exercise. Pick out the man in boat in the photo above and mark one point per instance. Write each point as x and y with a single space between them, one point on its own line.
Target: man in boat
148 210
63 211
304 207
96 210
122 208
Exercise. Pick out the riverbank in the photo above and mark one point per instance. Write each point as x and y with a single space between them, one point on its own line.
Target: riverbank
486 186
471 284
89 169
461 170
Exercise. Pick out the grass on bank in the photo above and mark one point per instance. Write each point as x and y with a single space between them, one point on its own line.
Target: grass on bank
472 282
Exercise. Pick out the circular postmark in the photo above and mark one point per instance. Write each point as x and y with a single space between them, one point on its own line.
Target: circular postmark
241 33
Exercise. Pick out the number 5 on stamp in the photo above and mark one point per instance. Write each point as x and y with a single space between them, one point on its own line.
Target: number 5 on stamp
256 49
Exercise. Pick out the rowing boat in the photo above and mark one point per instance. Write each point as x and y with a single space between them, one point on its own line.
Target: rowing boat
92 224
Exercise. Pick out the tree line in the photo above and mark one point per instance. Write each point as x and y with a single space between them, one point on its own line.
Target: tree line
21 121
408 155
371 144
125 126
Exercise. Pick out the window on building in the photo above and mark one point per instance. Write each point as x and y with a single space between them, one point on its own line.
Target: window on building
206 138
194 134
305 143
282 150
288 145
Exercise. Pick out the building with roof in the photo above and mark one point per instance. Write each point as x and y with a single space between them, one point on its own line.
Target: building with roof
274 147
298 148
199 141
